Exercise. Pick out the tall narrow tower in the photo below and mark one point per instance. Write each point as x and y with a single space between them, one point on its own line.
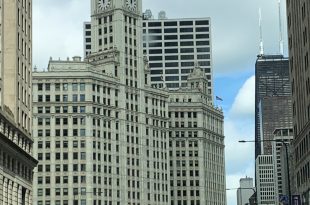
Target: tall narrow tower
109 19
281 43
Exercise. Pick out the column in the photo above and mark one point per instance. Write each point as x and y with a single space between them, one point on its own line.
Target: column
1 188
20 195
5 190
8 191
27 197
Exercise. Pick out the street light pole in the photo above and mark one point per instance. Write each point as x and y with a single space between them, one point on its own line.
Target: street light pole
287 163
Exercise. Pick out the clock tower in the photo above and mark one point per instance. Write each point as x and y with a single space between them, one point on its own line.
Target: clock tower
117 40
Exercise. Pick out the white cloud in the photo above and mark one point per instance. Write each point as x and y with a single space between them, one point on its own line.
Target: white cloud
244 103
239 125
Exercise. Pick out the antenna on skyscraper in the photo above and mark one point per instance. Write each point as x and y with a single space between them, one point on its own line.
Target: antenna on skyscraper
261 43
281 46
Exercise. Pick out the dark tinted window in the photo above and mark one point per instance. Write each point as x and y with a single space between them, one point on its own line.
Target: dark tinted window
156 72
183 30
169 44
155 58
201 29
187 43
187 57
187 50
186 37
172 78
154 30
185 70
155 51
207 56
171 50
154 24
199 43
171 71
156 79
171 23
205 22
171 30
171 37
157 44
174 64
156 65
187 64
202 36
186 23
200 50
171 57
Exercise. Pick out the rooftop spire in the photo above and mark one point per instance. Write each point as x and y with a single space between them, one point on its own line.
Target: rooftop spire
281 46
261 43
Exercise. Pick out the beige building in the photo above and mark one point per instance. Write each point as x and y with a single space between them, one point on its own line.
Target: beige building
100 130
196 141
265 180
298 20
102 134
16 161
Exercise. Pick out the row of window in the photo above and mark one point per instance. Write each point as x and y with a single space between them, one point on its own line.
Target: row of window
62 98
61 144
62 132
176 23
61 86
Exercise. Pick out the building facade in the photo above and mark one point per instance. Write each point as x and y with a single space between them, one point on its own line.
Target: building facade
298 21
282 161
196 141
16 161
271 80
245 191
103 134
265 182
100 131
274 112
97 141
172 46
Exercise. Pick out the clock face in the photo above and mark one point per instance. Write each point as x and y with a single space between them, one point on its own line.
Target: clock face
104 4
131 4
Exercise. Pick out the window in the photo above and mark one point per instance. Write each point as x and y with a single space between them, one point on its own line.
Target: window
40 86
47 87
57 109
57 87
75 98
82 86
40 98
82 98
74 86
65 86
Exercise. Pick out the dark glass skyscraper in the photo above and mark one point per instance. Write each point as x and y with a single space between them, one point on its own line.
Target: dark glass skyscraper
272 90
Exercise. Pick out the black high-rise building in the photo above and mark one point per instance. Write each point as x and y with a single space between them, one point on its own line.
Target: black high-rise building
272 88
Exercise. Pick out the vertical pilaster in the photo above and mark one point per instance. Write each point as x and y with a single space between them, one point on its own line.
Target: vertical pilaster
14 193
27 198
1 188
20 195
9 192
5 191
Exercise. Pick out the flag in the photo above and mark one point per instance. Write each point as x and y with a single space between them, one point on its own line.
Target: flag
218 98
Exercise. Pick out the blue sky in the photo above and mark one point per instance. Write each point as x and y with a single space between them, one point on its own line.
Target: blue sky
58 33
